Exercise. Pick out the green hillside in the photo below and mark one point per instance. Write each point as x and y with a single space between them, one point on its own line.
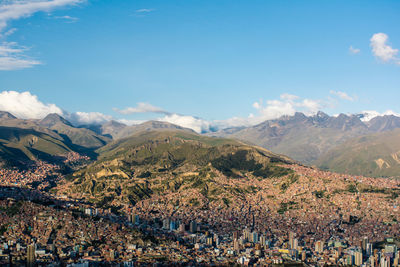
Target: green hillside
371 155
79 137
161 162
18 144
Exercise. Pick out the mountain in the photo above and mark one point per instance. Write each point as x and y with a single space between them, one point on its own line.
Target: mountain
52 120
373 155
81 138
151 162
303 138
384 123
109 129
147 126
29 139
21 145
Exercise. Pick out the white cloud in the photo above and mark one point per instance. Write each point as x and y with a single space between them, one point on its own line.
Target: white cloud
144 10
12 57
342 95
142 108
196 124
16 9
130 122
67 19
382 50
9 32
287 104
79 118
25 105
353 50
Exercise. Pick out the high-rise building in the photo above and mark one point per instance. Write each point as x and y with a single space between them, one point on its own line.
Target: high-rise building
303 256
254 237
371 261
236 245
166 224
368 250
319 246
385 262
291 238
193 227
358 258
172 225
364 243
246 234
112 255
350 260
262 240
295 244
30 255
236 234
209 240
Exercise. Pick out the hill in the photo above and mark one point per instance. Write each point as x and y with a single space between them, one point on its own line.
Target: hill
147 126
20 145
81 138
371 155
163 162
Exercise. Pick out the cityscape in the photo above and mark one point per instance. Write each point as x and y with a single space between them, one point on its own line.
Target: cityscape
199 133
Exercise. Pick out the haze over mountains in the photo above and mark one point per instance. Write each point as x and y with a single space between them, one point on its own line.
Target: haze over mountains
330 142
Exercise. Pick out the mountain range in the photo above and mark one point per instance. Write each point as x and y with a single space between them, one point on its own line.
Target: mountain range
328 142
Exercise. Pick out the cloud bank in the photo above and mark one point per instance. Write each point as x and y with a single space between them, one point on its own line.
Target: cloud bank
27 106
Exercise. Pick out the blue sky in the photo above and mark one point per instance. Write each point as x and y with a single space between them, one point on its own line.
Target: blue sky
210 59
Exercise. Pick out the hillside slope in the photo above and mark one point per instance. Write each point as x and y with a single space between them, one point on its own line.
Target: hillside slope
17 144
165 162
371 155
300 137
79 137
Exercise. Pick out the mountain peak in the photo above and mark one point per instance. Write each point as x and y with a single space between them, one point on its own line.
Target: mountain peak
53 119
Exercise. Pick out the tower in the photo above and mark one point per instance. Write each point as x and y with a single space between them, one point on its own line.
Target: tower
30 255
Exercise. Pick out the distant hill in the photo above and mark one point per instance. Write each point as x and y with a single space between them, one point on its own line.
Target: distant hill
17 145
384 123
29 139
81 137
147 126
129 170
371 155
303 138
109 129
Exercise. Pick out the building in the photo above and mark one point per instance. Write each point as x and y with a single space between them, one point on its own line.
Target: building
193 227
319 246
30 255
358 258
